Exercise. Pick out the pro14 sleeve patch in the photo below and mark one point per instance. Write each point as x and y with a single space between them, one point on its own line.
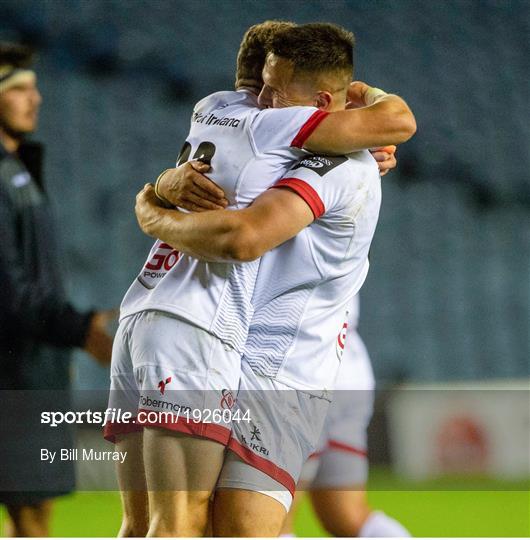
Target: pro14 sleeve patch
320 164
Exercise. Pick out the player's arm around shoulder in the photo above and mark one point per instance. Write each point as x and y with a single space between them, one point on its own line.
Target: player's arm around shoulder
274 217
316 187
228 235
372 118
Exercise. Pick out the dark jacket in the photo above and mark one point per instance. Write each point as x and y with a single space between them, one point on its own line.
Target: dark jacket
37 323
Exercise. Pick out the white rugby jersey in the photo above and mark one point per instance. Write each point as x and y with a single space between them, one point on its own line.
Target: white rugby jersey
248 150
305 286
355 371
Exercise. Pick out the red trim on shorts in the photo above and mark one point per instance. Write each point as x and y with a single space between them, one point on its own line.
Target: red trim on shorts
205 430
315 455
112 429
310 196
263 465
308 128
336 445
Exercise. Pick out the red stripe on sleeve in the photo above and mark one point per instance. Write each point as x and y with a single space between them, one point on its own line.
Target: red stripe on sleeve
310 196
308 128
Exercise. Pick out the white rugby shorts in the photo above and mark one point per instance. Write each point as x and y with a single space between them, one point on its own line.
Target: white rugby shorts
271 448
171 374
341 457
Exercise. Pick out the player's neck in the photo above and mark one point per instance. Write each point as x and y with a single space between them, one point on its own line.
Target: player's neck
336 105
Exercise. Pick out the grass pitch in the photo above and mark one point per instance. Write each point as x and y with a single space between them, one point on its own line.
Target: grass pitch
447 507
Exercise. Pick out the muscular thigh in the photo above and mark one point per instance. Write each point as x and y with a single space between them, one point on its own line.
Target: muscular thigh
178 462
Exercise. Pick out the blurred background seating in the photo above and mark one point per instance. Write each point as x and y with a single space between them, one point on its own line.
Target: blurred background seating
448 293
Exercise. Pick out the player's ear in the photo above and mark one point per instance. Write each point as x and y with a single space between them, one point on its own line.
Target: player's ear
323 100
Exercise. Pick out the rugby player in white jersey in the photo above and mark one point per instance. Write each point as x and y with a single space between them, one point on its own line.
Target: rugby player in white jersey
337 473
314 275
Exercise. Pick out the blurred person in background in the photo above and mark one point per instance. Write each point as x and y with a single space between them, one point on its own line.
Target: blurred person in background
38 325
336 475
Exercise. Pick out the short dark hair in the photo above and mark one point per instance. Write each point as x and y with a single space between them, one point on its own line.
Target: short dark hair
316 47
16 55
253 51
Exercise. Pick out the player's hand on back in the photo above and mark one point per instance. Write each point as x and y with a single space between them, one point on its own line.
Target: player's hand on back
187 187
98 342
385 157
